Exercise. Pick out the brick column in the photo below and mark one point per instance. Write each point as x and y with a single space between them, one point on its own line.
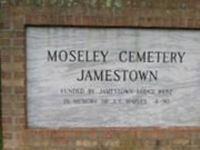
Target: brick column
17 14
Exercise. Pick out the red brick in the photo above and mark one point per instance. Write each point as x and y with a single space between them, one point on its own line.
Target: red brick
134 13
18 41
19 58
7 136
19 75
20 120
4 41
19 90
7 89
6 23
5 58
6 75
18 22
7 120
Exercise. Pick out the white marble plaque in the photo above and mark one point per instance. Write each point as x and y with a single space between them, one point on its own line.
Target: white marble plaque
112 77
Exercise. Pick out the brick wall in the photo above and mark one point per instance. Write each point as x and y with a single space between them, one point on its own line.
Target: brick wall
15 15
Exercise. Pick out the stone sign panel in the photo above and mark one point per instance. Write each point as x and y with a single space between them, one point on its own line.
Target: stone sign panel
112 77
